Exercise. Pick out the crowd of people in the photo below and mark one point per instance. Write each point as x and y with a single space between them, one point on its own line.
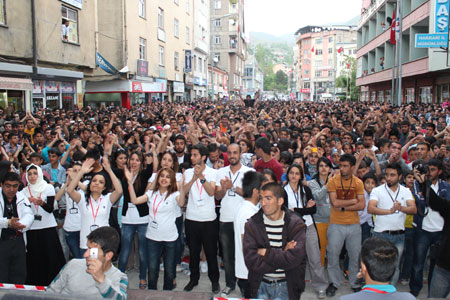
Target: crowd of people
262 189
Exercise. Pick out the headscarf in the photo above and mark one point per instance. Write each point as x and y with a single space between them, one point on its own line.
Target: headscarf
39 187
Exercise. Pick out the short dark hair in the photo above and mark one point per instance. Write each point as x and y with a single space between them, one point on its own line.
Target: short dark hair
370 175
436 163
251 180
92 153
263 144
201 149
180 137
275 188
56 151
395 166
380 258
11 176
106 237
349 158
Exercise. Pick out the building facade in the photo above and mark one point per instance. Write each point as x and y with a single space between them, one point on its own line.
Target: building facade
318 59
425 77
200 59
48 47
228 42
253 77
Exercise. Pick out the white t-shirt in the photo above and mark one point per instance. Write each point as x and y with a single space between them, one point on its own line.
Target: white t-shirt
385 198
201 207
178 178
231 201
47 219
162 215
72 221
433 221
99 208
292 202
245 211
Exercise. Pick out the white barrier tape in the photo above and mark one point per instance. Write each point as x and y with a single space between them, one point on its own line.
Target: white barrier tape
22 287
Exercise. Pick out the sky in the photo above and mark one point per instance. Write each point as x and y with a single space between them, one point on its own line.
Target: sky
280 17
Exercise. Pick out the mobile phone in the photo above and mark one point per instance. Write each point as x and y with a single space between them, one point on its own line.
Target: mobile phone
93 253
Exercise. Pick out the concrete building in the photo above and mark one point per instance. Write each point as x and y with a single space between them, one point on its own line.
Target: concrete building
228 41
253 77
425 76
318 59
39 67
202 25
218 81
147 42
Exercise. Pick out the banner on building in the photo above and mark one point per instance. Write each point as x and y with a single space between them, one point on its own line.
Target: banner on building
187 61
105 65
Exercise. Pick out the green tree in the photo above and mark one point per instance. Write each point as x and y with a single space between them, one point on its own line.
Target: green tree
348 83
281 81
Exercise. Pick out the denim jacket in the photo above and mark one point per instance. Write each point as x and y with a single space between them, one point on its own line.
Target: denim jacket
61 176
443 192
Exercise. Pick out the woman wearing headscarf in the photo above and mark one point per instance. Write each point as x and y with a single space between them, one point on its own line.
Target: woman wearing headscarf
45 256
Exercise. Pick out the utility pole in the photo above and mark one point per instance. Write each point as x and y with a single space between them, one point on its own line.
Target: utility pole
400 42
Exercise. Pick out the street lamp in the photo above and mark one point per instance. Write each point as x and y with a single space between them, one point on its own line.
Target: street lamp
213 59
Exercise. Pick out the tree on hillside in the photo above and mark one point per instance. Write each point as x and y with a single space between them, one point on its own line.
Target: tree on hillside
347 80
281 81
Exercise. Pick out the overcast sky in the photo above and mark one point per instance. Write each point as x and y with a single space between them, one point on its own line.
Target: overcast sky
279 17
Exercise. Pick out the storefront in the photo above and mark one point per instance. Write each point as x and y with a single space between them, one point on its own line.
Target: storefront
14 93
53 94
178 91
122 93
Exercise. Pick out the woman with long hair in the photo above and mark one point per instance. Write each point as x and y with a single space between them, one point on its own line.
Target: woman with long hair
319 191
135 217
94 204
45 256
164 202
300 200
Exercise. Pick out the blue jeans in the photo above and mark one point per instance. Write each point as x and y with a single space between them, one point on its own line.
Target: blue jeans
128 231
399 241
408 254
274 291
422 242
155 250
440 283
73 241
180 241
365 232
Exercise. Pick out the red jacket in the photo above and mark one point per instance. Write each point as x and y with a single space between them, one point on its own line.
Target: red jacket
292 261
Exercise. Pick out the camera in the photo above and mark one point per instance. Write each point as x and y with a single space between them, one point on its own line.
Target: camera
422 168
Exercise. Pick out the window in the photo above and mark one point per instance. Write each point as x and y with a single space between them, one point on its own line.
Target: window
318 74
380 96
306 52
330 39
373 96
142 8
160 18
410 95
319 41
200 64
188 6
425 94
387 95
354 51
330 50
318 63
176 60
319 52
216 57
217 4
70 24
2 12
142 49
188 35
330 73
306 72
161 55
217 40
218 22
330 62
176 30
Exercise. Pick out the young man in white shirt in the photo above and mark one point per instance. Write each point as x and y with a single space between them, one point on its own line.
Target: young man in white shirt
390 203
229 191
201 224
251 183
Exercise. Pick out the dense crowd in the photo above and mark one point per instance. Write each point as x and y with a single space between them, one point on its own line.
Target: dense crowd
192 174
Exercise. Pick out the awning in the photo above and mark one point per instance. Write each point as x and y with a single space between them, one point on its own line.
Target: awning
11 83
119 86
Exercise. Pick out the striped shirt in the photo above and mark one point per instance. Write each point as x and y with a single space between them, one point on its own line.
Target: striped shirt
274 231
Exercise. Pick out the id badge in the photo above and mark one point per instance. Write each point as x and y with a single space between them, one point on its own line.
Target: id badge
154 225
201 202
231 193
38 217
93 227
73 211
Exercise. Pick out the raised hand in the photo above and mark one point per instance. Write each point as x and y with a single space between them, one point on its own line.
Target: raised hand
128 175
87 166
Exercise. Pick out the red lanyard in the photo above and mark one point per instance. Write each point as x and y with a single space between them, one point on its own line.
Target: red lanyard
156 210
199 189
31 195
92 208
374 290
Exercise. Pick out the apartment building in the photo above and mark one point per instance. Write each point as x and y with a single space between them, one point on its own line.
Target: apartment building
228 42
253 77
46 47
425 77
317 60
149 43
202 23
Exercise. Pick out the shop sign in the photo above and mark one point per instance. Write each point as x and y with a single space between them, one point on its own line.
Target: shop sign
148 87
204 82
305 91
67 87
188 61
442 16
197 80
52 86
136 87
178 87
142 67
38 86
52 97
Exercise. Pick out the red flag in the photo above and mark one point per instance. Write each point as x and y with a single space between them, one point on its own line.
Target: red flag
312 49
348 65
340 50
394 22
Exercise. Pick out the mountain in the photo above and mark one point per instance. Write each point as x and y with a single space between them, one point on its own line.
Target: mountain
266 38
